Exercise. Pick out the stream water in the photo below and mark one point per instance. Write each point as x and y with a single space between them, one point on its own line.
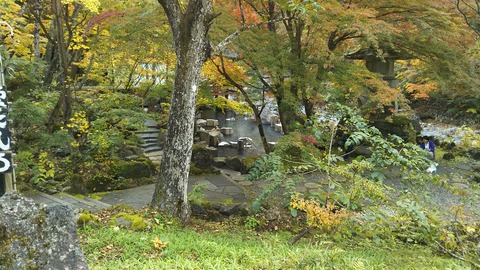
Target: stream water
242 127
443 132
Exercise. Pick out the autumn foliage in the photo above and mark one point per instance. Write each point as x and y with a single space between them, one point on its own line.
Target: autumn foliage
324 217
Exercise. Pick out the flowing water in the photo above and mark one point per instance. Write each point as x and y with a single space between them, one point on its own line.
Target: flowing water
242 126
444 132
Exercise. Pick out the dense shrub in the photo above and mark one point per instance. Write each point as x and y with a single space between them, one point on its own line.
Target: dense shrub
85 154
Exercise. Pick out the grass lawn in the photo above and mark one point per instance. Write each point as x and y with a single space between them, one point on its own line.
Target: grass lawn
208 246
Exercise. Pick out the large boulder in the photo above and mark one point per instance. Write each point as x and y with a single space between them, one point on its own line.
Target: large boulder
203 155
38 238
403 126
474 153
234 163
122 174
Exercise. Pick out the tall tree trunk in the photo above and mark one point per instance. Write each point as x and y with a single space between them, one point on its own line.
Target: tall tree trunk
50 57
63 108
37 8
284 116
190 29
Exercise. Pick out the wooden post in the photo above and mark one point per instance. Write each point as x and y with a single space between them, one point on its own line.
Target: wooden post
10 182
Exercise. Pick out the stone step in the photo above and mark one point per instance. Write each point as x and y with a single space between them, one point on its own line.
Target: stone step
67 199
148 130
150 140
148 136
149 144
150 149
44 198
151 123
84 200
154 153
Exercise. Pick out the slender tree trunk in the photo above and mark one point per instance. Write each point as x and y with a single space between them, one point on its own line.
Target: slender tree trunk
309 108
63 108
50 57
284 117
37 7
190 29
282 112
261 132
257 112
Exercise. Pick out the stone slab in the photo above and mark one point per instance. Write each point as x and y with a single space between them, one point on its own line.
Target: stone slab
219 180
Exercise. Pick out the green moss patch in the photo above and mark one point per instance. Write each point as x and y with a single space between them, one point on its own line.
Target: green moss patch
137 223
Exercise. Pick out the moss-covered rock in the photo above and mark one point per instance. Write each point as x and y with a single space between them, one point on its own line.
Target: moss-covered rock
400 125
87 218
37 238
130 221
138 168
6 257
77 184
202 155
121 175
248 163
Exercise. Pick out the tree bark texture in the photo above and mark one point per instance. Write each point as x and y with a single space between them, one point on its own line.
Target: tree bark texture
64 104
190 28
37 8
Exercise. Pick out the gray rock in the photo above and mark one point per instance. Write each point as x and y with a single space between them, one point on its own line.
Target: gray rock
124 223
219 162
474 153
448 156
203 135
245 183
460 185
234 163
272 214
312 185
38 238
197 209
215 216
228 210
202 156
302 189
244 209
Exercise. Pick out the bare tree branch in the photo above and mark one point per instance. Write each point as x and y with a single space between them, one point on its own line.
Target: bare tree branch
224 43
464 13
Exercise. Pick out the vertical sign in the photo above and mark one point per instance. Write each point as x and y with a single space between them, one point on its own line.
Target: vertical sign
5 136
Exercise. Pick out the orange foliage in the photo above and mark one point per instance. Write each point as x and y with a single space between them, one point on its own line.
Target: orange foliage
250 16
213 75
420 90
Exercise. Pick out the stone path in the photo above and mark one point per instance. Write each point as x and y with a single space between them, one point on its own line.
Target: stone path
217 189
221 188
75 203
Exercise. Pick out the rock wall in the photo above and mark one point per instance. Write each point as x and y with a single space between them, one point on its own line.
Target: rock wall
38 238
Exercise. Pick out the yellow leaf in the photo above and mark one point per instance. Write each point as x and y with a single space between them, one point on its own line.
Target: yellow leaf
159 244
